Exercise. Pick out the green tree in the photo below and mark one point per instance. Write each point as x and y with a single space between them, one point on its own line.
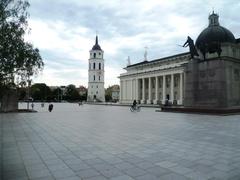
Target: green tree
19 60
57 94
41 92
72 93
108 94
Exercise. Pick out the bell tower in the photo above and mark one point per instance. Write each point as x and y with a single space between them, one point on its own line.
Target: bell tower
96 91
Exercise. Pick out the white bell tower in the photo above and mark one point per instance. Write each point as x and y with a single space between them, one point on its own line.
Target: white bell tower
96 91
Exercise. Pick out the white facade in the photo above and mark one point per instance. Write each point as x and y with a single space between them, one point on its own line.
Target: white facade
153 82
96 91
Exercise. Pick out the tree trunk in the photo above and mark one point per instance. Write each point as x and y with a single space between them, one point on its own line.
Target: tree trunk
9 101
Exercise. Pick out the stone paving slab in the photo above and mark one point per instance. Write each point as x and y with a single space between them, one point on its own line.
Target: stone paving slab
112 143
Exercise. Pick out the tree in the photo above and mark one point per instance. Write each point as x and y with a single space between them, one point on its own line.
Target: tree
40 92
109 93
72 93
57 94
19 60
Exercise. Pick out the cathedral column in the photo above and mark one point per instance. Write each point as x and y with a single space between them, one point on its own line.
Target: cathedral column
156 90
149 90
120 94
137 90
164 89
131 89
181 89
143 91
172 87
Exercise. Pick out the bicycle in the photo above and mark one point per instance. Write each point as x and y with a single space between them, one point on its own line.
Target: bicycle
135 109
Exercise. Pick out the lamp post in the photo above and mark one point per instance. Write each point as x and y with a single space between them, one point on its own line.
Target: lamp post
28 93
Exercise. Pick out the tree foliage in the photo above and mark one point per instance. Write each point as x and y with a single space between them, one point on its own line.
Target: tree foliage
57 94
40 92
72 93
19 60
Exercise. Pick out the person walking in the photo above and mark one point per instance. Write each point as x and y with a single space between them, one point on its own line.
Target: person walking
32 105
50 107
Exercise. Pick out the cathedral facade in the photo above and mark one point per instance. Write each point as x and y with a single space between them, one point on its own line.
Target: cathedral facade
96 91
207 76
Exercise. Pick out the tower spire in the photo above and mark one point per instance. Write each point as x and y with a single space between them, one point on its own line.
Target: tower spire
96 46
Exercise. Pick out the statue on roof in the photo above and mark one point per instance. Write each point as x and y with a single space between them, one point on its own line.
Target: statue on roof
192 48
128 61
145 53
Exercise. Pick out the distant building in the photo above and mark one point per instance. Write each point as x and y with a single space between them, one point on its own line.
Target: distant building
96 91
206 77
82 90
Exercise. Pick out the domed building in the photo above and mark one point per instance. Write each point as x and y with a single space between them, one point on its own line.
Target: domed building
211 38
208 76
213 77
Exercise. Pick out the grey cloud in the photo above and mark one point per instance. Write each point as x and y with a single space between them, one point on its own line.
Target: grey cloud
60 61
129 19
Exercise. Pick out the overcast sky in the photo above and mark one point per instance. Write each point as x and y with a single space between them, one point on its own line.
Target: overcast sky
65 30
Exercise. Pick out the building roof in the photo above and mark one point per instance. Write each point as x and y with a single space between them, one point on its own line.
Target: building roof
96 46
156 60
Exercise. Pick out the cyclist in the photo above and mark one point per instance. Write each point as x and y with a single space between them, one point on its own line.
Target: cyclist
134 105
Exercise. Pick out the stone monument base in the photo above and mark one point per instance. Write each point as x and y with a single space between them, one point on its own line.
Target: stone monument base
200 110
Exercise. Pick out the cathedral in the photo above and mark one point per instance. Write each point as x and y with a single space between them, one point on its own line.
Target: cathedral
96 91
208 76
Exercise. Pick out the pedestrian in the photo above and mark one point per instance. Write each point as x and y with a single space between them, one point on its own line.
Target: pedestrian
32 105
50 107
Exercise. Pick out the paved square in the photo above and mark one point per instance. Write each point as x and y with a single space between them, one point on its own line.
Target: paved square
110 142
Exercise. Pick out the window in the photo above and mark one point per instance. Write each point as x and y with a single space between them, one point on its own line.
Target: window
94 55
89 65
94 65
99 53
99 66
97 86
96 92
99 78
94 77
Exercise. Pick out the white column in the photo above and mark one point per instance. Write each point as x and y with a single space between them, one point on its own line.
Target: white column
131 89
181 89
156 90
164 89
172 87
120 94
149 91
137 91
143 91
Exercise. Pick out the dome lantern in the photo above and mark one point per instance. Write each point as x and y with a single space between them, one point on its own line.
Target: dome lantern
211 38
213 19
